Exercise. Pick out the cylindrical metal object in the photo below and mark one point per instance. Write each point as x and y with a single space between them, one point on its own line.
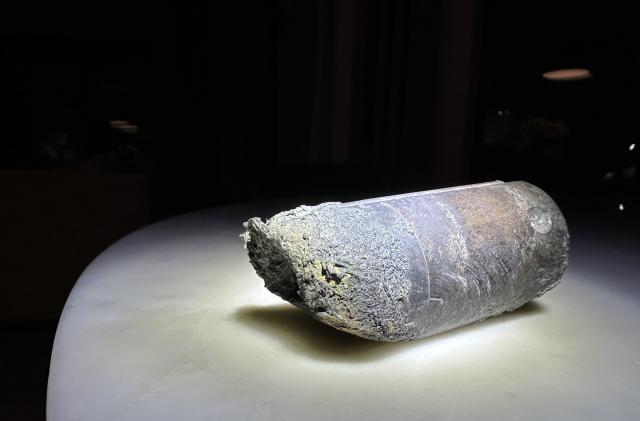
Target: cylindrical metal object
413 265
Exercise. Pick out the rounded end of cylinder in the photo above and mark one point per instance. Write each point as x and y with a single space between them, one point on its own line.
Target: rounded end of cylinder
550 227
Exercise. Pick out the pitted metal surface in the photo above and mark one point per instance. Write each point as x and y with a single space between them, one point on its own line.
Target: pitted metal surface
413 265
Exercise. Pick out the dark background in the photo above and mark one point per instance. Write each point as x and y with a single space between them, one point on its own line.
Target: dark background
116 115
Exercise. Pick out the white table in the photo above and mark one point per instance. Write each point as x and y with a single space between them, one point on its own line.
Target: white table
172 323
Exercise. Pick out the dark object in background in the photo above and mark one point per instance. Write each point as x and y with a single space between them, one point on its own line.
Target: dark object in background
54 222
414 265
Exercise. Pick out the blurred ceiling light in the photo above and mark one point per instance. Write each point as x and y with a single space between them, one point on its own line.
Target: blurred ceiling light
567 75
117 123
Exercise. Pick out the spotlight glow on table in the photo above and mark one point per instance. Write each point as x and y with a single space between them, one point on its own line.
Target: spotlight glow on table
172 323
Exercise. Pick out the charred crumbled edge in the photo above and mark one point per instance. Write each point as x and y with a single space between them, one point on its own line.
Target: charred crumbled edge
337 265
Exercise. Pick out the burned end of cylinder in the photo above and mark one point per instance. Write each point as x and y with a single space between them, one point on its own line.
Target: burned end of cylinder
338 265
270 260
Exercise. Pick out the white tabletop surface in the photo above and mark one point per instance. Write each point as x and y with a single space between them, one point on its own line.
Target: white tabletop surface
172 323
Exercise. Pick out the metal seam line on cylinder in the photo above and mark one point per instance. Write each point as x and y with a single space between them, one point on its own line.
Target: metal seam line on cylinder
426 263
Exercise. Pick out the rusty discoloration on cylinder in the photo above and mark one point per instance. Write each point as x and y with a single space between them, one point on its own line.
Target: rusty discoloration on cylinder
409 266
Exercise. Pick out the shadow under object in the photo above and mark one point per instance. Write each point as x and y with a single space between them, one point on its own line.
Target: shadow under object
296 330
413 265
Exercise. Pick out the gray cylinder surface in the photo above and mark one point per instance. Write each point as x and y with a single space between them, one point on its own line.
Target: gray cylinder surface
413 265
